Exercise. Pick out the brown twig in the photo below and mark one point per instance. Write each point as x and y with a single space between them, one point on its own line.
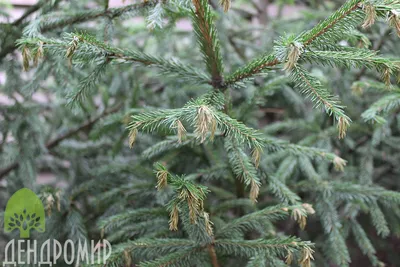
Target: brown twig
54 142
213 255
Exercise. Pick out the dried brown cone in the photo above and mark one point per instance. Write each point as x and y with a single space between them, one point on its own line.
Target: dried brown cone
293 57
208 224
49 204
394 21
339 163
370 16
26 57
386 75
205 123
256 156
309 208
254 191
194 204
298 216
289 258
226 4
38 55
343 124
306 257
132 137
162 179
181 131
128 258
174 219
194 207
71 49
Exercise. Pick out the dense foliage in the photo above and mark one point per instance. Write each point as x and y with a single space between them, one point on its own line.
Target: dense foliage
242 140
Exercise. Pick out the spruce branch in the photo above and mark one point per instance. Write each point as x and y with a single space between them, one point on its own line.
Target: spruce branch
238 131
349 57
378 220
347 191
83 48
231 204
188 195
336 249
377 46
278 247
206 32
172 143
334 26
313 89
243 168
145 247
156 120
165 121
322 35
364 243
345 18
88 84
206 120
253 220
382 106
155 17
174 259
261 259
255 66
281 190
119 220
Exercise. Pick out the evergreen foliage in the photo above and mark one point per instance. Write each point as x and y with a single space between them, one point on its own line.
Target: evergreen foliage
179 162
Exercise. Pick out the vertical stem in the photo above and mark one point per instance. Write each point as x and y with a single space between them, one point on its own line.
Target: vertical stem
213 255
209 42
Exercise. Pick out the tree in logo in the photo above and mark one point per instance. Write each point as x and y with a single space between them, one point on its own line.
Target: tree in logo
24 212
